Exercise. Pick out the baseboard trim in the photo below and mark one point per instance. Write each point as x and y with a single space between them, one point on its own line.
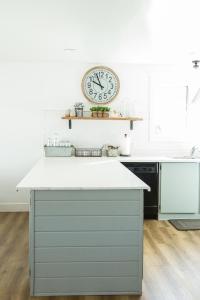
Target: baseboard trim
11 207
163 217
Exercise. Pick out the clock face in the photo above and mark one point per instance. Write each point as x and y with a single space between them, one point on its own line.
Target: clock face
100 85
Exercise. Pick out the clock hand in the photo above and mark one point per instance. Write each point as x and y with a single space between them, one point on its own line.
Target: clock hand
99 80
98 84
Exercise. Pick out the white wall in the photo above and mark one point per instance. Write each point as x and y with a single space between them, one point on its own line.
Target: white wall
117 31
29 90
21 141
37 74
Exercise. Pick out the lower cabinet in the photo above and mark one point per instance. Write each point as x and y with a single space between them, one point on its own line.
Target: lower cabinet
86 242
179 187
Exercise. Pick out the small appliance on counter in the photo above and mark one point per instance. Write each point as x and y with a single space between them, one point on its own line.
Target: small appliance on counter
125 148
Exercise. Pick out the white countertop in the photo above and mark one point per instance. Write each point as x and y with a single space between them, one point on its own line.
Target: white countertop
157 159
72 173
89 173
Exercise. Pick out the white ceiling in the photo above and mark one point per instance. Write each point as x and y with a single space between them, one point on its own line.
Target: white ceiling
100 30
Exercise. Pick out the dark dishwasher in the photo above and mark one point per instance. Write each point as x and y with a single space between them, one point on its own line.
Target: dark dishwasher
147 172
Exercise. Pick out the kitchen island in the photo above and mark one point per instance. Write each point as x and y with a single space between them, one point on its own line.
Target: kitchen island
86 227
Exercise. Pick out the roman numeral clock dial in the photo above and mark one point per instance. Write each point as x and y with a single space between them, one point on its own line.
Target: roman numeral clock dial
100 85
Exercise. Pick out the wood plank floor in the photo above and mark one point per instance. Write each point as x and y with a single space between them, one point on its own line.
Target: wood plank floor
171 262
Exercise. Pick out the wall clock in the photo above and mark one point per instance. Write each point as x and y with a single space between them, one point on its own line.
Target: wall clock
100 85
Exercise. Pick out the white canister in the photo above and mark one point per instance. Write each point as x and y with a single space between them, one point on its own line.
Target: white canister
125 148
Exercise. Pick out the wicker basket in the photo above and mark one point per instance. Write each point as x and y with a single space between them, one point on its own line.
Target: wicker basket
112 152
88 152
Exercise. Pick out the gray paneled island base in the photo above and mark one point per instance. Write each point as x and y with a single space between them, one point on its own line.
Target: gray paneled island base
85 241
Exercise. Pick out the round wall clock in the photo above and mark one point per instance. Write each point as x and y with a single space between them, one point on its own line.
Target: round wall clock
100 85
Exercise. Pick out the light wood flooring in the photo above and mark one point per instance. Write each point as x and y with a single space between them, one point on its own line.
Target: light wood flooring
171 262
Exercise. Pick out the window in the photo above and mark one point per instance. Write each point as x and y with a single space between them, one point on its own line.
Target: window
168 108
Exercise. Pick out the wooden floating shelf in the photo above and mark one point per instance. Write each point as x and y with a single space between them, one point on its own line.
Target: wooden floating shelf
109 118
131 119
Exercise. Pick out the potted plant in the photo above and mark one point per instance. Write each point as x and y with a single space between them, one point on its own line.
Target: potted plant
106 112
100 111
94 111
103 111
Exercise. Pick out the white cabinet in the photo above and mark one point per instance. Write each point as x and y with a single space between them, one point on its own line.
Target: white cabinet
179 187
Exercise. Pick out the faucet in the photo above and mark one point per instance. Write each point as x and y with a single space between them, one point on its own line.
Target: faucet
194 148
